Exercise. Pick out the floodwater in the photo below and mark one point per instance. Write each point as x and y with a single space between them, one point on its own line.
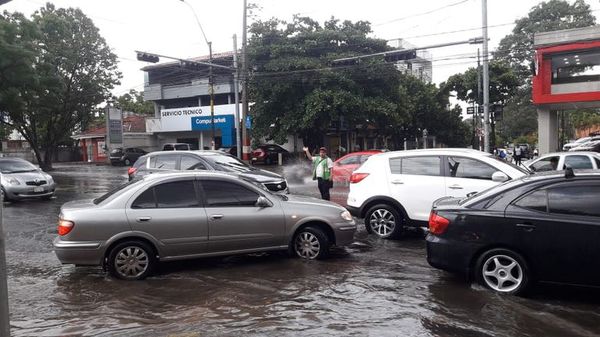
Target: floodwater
372 288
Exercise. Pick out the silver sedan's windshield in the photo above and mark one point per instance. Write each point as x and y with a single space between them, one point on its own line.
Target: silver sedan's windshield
16 167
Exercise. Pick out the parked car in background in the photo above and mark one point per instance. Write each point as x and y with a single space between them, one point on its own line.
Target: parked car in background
23 180
396 189
187 215
230 150
539 228
268 154
176 147
169 161
592 145
576 143
125 156
562 160
344 166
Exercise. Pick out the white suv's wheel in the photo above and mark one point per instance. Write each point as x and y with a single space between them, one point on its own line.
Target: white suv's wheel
384 221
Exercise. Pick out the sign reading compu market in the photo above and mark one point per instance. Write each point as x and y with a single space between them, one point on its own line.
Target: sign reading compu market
183 119
199 119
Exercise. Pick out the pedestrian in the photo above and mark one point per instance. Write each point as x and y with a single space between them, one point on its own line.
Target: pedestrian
321 171
518 153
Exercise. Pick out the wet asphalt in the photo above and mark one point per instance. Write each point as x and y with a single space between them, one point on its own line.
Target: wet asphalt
371 288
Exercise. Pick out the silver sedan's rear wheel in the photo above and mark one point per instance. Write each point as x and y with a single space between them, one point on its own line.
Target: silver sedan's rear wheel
131 260
311 243
504 271
384 221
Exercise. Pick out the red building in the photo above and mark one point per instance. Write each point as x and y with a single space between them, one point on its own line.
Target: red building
93 140
567 77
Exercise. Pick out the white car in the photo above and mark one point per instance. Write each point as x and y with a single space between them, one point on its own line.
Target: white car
561 160
396 189
576 143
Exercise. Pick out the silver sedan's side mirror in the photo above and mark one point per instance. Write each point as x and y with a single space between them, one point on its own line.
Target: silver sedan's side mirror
263 202
499 177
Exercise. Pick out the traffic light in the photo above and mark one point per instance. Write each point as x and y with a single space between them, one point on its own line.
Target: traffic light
191 65
498 112
145 57
400 55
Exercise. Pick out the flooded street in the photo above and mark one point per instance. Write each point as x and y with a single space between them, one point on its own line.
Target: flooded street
373 287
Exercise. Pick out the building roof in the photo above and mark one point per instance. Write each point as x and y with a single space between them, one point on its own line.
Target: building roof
205 58
131 124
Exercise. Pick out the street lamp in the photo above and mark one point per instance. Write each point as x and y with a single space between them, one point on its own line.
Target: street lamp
211 89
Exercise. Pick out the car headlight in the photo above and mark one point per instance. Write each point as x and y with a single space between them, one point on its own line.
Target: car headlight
11 181
49 179
346 216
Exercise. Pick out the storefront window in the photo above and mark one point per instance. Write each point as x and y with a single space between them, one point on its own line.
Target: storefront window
576 67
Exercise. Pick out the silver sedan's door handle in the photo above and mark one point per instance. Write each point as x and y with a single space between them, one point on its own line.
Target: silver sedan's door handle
397 182
216 216
456 187
143 219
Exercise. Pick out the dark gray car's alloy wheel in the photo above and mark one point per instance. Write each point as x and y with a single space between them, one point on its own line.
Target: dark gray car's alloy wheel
503 271
383 221
311 243
131 260
127 162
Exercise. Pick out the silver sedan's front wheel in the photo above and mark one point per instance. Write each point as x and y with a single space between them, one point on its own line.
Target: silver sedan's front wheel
132 260
311 243
504 271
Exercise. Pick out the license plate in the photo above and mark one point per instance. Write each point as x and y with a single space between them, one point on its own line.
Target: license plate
38 189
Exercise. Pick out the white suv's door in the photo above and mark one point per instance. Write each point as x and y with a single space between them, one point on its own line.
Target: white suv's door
416 182
467 175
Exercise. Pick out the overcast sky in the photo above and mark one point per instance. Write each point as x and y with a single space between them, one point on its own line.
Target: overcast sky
168 26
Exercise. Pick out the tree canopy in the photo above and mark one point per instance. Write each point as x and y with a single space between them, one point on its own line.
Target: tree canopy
297 89
133 101
516 49
62 69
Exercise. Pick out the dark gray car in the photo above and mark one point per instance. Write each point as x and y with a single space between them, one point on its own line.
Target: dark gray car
169 161
184 215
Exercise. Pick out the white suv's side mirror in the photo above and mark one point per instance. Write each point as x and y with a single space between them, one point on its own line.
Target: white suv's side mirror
499 177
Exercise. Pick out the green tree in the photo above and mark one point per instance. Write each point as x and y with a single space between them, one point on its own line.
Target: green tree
516 49
70 70
504 84
425 106
296 90
133 101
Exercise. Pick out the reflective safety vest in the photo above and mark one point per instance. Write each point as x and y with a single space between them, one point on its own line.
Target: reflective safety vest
323 162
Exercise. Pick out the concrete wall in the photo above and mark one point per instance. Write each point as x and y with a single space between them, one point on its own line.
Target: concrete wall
566 36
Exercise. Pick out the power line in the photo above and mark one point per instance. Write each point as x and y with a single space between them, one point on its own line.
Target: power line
421 14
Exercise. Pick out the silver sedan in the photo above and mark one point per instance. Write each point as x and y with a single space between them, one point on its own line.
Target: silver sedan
21 180
188 215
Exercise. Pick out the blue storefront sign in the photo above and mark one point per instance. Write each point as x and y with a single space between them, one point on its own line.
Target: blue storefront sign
225 123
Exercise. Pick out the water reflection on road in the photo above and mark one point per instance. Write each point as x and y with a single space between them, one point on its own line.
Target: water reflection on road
374 287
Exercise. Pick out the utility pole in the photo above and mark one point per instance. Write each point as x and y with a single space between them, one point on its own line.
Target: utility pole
4 313
476 117
236 89
486 79
246 155
211 89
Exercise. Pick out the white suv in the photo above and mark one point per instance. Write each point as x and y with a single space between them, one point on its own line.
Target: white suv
396 189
